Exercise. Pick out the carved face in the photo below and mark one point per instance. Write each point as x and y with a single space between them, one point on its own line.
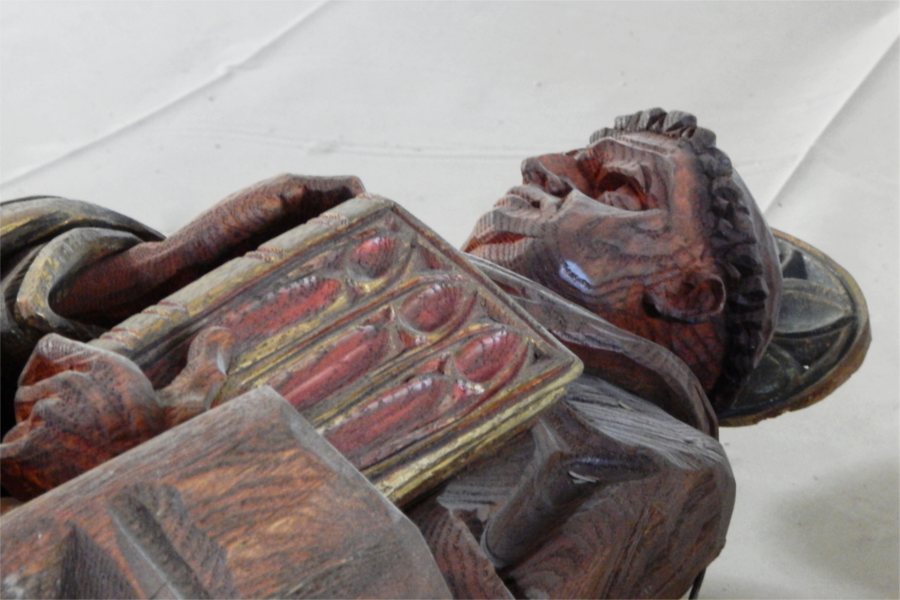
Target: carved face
622 227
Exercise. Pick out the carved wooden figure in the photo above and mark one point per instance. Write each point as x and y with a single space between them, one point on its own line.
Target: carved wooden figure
246 501
413 363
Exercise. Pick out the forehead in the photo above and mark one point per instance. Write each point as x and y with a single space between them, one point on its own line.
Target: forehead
667 168
646 143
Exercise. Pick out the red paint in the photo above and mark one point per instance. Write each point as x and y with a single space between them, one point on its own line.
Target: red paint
485 356
374 257
281 308
345 361
375 430
434 307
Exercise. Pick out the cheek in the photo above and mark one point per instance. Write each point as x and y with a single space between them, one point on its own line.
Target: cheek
641 237
515 255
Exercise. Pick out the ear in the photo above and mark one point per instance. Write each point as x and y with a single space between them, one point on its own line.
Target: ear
693 297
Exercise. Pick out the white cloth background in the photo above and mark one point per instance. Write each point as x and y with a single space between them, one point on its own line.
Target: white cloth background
157 110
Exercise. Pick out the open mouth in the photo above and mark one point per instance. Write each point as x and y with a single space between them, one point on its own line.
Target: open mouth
493 238
513 222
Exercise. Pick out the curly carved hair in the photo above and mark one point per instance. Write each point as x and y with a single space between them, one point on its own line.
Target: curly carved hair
737 233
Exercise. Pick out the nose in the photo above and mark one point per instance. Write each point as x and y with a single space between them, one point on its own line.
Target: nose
536 173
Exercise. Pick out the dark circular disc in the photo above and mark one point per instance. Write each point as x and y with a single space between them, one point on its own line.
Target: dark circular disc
821 337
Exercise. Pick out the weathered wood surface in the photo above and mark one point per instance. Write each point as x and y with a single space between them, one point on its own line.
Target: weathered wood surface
608 496
112 266
244 501
407 358
75 269
452 537
602 461
649 227
80 405
629 361
113 289
27 225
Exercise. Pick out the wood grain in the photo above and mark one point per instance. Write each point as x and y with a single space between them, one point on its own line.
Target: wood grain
650 227
113 289
524 502
80 405
388 340
380 333
243 501
630 502
27 225
629 361
468 571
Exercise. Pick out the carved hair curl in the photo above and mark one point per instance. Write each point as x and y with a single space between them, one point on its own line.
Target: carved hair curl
736 246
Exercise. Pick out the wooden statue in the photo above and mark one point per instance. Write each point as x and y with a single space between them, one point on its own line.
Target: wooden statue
643 254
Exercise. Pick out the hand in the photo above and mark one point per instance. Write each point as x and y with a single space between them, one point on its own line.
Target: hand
78 406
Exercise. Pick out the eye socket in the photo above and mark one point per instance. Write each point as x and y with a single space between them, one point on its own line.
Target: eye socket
624 190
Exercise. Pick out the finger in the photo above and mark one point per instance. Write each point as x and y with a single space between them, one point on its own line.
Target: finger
54 354
192 391
211 350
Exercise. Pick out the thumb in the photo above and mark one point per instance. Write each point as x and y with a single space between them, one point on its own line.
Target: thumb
192 391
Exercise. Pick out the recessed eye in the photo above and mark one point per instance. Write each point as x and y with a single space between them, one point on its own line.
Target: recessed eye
625 186
622 191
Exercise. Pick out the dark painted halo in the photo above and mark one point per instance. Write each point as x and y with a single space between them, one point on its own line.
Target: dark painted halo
821 337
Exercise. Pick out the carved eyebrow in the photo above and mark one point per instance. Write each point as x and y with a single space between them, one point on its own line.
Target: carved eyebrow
647 177
634 170
608 210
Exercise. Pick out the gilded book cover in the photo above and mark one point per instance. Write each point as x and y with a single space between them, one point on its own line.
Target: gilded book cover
402 354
